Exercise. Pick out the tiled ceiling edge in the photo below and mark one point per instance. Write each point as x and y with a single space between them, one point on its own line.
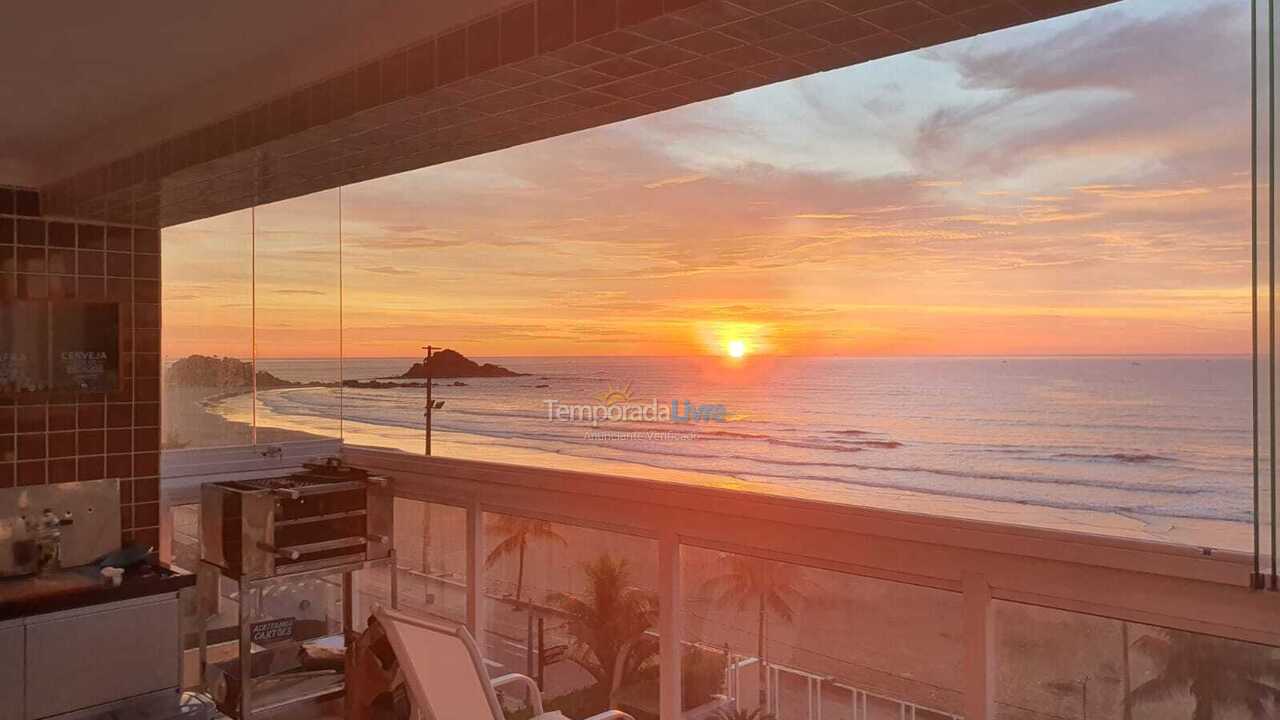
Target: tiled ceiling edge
535 70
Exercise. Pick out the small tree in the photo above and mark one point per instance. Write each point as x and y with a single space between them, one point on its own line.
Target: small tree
609 623
738 714
516 533
772 588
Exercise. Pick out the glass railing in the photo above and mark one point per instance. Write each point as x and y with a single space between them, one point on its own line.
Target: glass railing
811 611
809 642
1056 663
795 609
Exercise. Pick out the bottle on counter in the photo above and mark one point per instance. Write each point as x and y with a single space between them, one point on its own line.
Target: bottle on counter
49 539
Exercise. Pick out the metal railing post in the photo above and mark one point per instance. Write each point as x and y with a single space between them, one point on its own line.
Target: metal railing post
670 632
166 529
979 644
775 689
818 696
475 573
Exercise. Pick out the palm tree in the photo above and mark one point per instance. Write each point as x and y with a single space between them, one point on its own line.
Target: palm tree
609 623
516 533
1219 674
771 587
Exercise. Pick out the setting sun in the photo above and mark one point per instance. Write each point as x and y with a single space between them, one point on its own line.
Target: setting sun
734 339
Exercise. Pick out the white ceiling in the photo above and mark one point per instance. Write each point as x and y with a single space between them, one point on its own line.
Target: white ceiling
85 82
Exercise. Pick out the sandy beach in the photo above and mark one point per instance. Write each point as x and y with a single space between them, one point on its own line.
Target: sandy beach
228 419
193 417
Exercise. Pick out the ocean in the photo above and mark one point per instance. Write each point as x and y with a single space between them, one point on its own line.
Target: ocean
1141 437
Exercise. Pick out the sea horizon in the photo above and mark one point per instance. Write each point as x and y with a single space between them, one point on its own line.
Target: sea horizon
1161 443
171 357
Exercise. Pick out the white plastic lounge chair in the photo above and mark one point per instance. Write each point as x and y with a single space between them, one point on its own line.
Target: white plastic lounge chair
446 677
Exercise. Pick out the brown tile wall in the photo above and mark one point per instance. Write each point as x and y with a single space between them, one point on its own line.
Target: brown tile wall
62 437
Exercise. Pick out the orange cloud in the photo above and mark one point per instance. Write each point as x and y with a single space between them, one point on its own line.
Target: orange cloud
673 181
1131 192
819 232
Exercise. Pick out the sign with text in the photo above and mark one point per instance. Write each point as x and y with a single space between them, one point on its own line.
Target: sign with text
85 346
24 346
272 631
553 654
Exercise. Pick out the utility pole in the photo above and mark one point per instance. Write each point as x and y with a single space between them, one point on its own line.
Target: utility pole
542 666
426 368
432 404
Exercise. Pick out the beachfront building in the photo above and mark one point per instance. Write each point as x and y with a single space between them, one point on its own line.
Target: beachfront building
847 359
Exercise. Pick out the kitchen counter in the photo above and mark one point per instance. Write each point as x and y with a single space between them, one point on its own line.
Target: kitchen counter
82 586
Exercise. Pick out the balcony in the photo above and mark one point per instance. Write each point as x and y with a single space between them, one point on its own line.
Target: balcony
867 613
1006 268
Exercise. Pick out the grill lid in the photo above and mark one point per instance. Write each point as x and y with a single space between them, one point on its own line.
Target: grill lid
332 469
331 475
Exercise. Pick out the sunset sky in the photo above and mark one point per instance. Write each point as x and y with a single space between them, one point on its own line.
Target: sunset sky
1079 186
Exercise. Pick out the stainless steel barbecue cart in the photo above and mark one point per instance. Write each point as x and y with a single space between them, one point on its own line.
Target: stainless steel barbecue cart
267 534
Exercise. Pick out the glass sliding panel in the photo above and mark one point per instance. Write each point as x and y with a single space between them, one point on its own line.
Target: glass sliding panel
418 270
389 302
592 593
997 278
185 522
1264 274
207 331
297 314
431 556
833 645
1053 663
